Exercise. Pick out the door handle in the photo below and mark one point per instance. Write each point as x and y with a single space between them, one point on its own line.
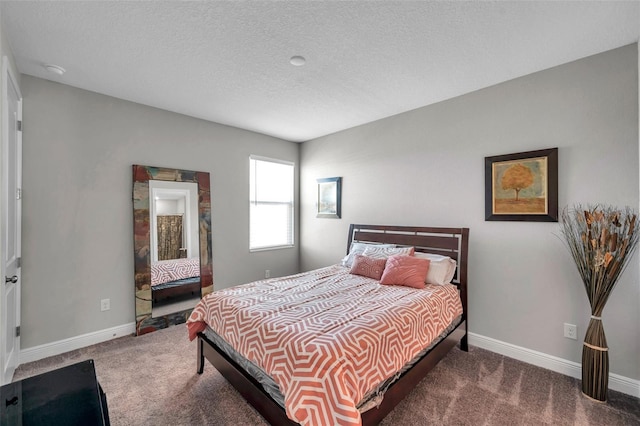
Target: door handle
13 279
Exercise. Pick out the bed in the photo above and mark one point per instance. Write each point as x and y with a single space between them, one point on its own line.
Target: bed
321 374
175 278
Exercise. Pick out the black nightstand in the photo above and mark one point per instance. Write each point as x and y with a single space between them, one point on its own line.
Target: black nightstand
68 396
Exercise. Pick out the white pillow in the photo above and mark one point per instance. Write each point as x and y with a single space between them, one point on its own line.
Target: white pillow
386 252
441 269
359 248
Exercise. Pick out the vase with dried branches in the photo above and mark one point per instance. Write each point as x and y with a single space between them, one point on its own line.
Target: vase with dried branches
601 240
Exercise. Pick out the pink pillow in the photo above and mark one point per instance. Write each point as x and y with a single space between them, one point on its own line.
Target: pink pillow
368 266
405 270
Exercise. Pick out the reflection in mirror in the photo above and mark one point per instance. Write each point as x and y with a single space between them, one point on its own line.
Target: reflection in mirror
172 244
174 220
175 259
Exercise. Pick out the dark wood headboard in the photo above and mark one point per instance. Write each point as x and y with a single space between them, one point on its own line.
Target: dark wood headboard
452 242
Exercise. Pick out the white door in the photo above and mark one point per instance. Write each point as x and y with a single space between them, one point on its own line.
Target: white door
10 233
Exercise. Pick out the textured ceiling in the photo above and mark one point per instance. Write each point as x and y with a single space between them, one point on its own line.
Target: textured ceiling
228 62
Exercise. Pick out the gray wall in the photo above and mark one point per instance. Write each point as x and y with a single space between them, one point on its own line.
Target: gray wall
5 50
426 167
79 147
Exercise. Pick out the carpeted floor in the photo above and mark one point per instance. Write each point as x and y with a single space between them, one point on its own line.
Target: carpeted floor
152 380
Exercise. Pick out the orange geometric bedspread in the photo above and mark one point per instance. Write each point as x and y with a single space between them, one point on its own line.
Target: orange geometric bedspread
327 337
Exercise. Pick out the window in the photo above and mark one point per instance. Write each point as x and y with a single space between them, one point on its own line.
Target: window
271 203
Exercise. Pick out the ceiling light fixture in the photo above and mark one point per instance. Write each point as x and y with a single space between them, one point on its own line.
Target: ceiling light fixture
54 69
297 61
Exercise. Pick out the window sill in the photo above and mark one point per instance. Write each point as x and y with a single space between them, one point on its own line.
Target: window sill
271 248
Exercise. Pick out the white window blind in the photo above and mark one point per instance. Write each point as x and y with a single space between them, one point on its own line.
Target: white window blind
271 203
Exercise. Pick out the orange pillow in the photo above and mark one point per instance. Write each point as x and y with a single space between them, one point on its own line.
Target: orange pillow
368 266
409 271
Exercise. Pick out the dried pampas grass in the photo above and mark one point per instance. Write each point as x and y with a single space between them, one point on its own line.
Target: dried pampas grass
601 240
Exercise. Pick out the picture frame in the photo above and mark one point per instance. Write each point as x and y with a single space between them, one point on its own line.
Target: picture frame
522 186
329 204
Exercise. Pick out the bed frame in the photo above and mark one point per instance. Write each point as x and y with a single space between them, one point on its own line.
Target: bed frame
187 286
452 242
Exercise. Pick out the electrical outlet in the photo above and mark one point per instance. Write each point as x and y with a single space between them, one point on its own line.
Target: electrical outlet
570 331
105 304
267 273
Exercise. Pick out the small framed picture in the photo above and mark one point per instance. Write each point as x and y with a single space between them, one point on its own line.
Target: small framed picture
522 186
329 195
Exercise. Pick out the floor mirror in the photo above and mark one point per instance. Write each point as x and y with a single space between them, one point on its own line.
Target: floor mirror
172 244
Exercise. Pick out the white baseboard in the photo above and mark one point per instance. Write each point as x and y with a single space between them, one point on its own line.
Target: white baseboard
61 346
569 368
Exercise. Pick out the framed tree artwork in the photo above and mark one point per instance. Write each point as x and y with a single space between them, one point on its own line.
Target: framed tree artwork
522 186
329 197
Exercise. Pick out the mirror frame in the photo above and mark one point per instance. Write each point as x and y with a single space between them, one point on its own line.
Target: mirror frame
142 242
